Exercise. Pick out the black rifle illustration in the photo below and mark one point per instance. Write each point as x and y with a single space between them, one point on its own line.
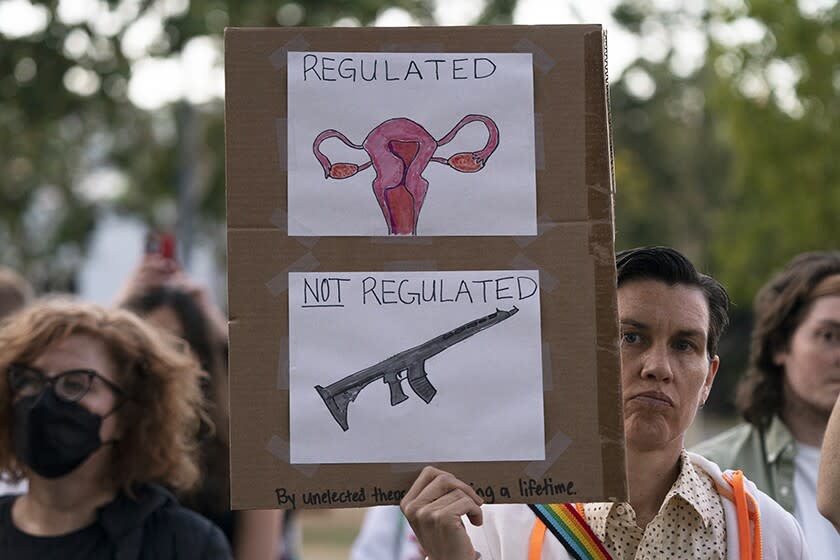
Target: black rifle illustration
340 394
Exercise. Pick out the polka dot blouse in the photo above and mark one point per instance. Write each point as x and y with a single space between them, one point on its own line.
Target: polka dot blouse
690 523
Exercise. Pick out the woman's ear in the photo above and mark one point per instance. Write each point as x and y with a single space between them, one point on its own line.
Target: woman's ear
779 348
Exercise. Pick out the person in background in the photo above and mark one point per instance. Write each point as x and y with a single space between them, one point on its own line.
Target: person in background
386 535
788 393
99 414
163 295
15 294
680 504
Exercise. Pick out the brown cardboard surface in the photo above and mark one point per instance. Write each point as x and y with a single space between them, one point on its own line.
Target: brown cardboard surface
574 253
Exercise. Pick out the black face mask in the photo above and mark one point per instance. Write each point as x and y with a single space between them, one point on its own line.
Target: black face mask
53 437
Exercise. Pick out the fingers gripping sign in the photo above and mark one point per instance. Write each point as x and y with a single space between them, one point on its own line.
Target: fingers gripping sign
433 506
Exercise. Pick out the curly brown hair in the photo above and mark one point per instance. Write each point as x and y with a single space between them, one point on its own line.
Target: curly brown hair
779 308
15 292
165 405
214 494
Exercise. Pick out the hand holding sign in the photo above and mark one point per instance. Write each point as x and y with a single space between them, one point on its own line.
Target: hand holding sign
434 506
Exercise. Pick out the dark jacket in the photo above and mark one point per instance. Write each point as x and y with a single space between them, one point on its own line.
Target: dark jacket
152 526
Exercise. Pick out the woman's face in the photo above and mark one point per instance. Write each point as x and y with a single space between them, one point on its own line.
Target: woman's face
812 359
82 351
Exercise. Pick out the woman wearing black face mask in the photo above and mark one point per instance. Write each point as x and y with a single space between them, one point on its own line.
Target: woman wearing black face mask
96 411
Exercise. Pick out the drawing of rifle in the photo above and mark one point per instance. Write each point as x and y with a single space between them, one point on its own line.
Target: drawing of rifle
340 394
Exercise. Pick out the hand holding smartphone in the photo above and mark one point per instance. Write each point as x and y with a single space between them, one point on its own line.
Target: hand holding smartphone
161 243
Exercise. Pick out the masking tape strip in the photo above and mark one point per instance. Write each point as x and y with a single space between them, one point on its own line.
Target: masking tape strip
301 231
280 283
281 132
307 241
279 447
279 58
544 225
283 365
524 241
599 173
280 219
539 142
548 380
601 254
548 282
553 449
542 60
410 266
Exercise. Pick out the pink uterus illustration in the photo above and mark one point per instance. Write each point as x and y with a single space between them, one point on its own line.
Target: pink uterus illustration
400 150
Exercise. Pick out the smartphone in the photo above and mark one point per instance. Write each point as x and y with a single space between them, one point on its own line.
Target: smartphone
161 243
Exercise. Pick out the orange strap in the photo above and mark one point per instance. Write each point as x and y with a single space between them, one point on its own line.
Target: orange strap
536 543
757 550
746 510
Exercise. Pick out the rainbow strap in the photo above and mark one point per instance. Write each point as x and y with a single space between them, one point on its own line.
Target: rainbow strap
572 530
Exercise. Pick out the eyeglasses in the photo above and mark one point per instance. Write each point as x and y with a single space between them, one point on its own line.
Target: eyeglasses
69 386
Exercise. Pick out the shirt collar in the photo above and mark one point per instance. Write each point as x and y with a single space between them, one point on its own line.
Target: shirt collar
777 438
689 487
693 489
597 514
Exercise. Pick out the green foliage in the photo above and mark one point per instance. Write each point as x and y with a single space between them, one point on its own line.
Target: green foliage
736 162
784 184
668 163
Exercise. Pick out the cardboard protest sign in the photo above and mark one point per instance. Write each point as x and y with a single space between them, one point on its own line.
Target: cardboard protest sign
421 264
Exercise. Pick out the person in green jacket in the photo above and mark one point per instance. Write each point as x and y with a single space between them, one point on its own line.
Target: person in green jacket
789 391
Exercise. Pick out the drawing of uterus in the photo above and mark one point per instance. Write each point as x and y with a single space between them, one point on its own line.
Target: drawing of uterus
400 150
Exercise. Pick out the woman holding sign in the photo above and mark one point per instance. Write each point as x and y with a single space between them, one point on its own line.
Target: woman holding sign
680 504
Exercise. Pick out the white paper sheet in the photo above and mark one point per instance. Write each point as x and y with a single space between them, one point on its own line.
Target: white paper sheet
393 108
488 404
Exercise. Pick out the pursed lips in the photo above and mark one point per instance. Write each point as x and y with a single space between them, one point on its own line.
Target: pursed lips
653 398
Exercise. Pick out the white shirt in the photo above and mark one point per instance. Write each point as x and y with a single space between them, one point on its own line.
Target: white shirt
823 540
385 535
